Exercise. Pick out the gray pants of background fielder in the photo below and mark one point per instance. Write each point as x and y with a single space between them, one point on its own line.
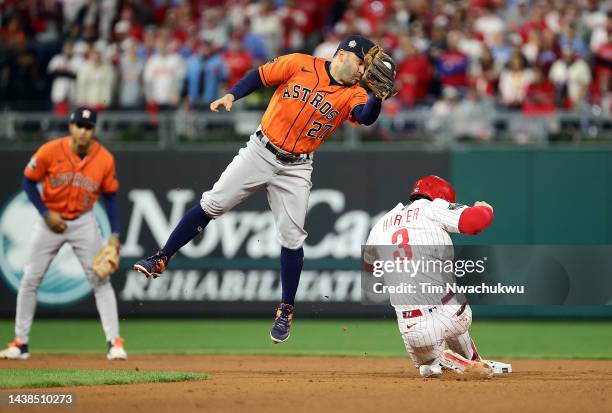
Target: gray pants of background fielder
84 237
287 185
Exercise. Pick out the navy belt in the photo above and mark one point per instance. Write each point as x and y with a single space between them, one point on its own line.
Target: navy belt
286 157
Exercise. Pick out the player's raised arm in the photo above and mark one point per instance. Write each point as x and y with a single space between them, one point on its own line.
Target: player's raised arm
245 86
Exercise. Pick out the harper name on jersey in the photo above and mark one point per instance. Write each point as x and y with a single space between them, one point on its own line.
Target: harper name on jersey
422 222
400 219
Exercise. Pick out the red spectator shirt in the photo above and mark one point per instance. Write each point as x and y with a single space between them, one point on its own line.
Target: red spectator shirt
238 64
539 99
418 68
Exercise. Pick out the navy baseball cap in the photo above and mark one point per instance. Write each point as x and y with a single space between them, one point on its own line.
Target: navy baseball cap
360 45
84 115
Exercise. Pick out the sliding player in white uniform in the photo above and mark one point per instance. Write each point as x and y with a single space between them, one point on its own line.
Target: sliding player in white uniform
427 220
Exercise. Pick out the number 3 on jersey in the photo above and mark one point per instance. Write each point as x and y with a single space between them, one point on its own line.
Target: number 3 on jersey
316 127
401 239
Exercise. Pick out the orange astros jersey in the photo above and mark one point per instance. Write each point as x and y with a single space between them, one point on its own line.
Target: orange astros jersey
305 109
72 185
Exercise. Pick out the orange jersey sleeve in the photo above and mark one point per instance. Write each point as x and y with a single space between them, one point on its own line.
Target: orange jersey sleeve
38 165
306 107
280 69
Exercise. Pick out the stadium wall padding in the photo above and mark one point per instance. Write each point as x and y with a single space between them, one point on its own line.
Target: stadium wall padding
546 196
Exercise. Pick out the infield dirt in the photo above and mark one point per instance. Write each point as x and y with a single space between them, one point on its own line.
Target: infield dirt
334 384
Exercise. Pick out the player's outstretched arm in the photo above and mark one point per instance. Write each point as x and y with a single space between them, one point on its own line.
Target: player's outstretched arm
225 102
248 84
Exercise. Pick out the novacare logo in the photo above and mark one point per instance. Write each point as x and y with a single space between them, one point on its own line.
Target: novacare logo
64 282
252 230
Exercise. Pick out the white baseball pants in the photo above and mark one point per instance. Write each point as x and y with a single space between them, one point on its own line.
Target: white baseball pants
425 336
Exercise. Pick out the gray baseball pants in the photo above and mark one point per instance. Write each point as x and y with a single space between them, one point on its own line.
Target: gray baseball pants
287 186
84 237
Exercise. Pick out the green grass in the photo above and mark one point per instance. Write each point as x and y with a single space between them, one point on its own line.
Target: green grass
519 339
23 377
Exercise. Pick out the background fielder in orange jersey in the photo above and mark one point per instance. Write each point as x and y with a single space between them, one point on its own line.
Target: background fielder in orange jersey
313 97
74 171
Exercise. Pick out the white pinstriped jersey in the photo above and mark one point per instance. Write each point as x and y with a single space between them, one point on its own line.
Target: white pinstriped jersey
421 232
428 223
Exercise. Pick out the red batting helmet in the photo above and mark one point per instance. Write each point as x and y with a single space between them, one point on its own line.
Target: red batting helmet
433 187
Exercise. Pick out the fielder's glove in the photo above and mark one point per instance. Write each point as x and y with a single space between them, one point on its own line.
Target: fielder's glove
379 74
107 261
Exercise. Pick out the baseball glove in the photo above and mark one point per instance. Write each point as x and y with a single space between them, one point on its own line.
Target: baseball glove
379 74
107 261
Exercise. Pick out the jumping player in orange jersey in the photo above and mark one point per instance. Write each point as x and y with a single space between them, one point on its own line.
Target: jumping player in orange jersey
313 98
74 171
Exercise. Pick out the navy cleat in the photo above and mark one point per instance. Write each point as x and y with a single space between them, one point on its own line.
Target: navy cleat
282 323
152 266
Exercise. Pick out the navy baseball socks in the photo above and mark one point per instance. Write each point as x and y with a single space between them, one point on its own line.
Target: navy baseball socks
192 223
292 262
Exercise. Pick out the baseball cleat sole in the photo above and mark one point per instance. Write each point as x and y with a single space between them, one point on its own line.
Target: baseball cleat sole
23 356
277 341
115 357
144 271
498 367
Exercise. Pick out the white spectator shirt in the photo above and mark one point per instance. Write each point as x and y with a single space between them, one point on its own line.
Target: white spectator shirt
577 76
130 71
594 19
163 77
270 27
471 47
71 9
489 26
513 85
95 84
62 87
599 37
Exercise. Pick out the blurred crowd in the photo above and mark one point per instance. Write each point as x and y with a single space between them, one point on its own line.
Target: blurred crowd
534 56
